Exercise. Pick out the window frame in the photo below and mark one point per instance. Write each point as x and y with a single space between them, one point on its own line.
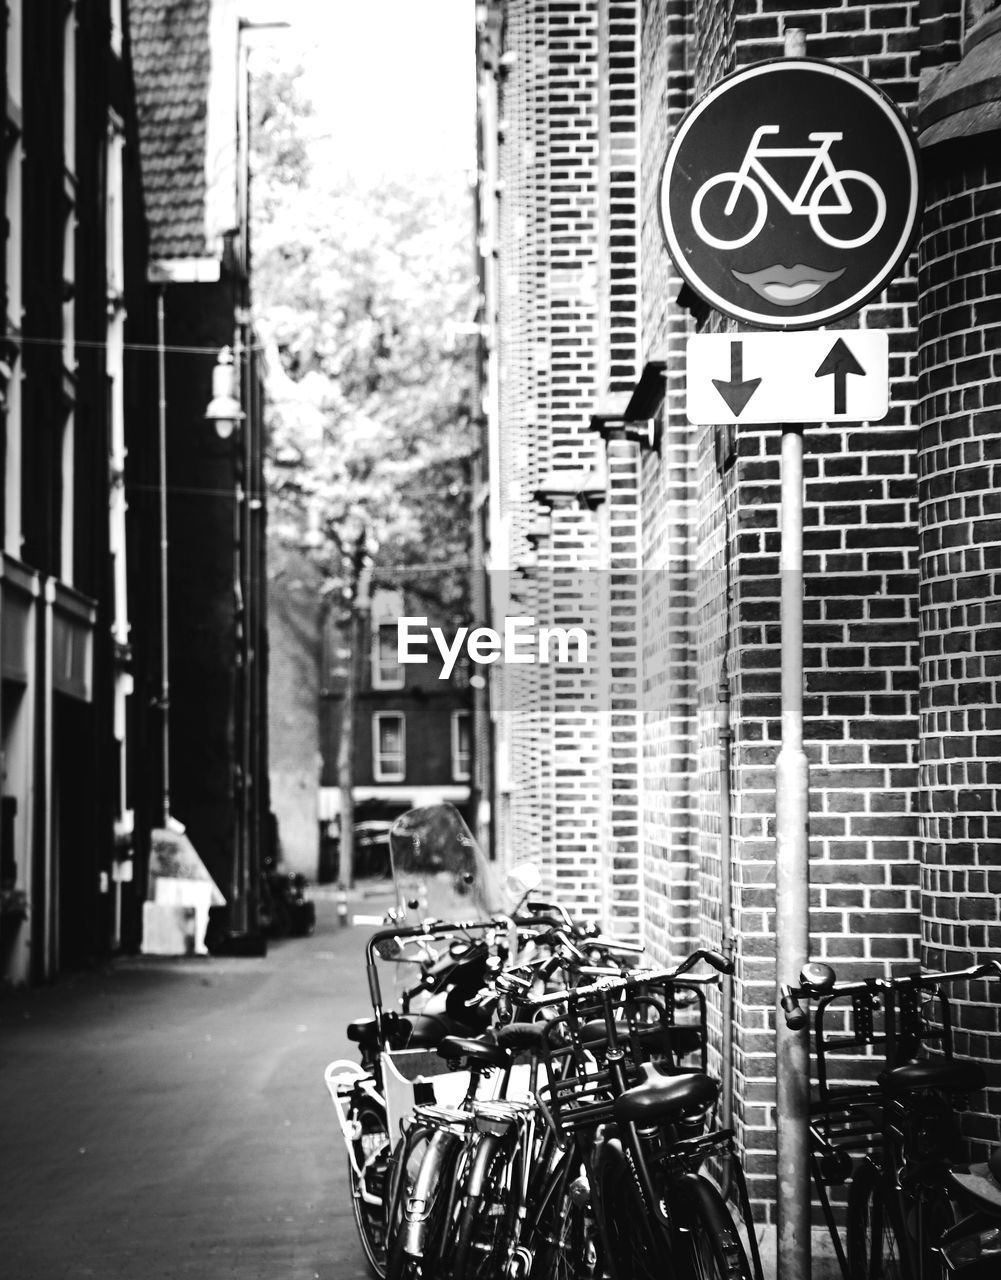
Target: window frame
458 716
380 680
379 770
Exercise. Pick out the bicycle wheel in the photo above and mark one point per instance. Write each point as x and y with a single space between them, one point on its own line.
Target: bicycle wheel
715 1251
487 1219
870 207
564 1244
371 1154
400 1176
431 1157
875 1235
574 1252
401 1266
635 1246
738 226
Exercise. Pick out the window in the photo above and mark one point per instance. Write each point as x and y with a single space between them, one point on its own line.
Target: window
387 673
462 746
389 746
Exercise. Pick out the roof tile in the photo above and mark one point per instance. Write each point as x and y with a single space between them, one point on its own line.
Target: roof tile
171 61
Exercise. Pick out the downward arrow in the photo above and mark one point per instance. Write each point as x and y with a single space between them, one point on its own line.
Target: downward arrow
736 392
839 362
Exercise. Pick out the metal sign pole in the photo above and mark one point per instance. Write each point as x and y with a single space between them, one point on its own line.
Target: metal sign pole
792 868
792 885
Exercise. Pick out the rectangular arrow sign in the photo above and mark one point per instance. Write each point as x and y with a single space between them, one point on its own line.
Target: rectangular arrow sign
810 376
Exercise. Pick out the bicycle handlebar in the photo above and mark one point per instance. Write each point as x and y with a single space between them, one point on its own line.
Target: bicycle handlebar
434 928
599 943
567 920
795 1015
637 977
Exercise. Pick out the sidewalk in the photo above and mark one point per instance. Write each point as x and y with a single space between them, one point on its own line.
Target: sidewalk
168 1118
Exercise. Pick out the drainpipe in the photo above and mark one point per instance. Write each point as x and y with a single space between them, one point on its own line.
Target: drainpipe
164 637
728 940
725 736
46 811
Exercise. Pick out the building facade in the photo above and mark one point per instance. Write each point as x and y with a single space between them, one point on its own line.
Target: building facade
132 571
412 737
193 105
901 545
75 300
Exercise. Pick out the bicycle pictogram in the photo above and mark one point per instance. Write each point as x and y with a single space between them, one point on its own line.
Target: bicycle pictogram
822 195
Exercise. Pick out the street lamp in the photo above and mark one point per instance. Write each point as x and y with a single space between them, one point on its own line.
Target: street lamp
224 410
226 414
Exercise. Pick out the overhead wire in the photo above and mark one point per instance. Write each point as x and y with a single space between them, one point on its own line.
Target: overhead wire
23 340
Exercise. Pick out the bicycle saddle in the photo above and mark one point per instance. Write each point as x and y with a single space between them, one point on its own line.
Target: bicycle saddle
595 1032
954 1074
658 1096
518 1036
425 1030
475 1053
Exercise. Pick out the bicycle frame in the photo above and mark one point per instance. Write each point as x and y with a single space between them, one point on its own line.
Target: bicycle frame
579 1100
752 162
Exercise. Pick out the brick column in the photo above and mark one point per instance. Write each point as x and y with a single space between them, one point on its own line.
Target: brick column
960 540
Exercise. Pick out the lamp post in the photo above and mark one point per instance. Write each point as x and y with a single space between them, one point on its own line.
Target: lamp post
226 415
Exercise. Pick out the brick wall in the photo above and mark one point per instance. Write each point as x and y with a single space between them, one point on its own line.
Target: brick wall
622 706
516 192
669 873
901 638
860 604
960 600
568 339
619 581
554 89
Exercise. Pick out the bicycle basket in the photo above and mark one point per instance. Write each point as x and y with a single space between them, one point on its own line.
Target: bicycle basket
596 1048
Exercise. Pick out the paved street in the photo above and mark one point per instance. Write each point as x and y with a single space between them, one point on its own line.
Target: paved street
169 1119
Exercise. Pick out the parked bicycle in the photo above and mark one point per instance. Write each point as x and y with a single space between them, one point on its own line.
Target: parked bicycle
914 1212
605 1174
449 1155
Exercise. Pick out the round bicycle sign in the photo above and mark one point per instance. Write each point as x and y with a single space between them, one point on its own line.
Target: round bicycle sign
790 194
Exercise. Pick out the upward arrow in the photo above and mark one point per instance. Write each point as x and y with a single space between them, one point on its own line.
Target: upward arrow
736 392
839 362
